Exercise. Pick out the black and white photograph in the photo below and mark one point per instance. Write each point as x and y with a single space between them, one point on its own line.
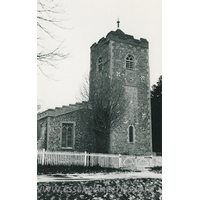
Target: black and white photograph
99 99
102 128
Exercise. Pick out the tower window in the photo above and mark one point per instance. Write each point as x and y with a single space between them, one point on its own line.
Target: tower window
67 136
100 64
131 134
129 62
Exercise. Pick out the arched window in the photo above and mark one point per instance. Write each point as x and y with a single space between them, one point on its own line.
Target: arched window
67 136
100 64
131 134
129 62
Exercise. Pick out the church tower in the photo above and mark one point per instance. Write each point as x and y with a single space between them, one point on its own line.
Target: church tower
122 56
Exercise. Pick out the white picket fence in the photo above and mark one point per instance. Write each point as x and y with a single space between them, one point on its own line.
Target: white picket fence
94 159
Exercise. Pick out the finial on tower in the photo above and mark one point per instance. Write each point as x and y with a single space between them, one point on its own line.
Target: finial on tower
118 23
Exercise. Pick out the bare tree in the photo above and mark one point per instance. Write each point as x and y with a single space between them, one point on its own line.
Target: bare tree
107 105
84 89
38 107
50 17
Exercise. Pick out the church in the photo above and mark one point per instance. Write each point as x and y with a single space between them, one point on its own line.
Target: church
65 129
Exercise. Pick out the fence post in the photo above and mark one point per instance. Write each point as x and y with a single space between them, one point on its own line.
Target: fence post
85 159
43 156
136 163
120 160
150 161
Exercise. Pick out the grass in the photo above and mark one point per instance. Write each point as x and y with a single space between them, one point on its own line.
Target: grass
118 189
157 169
62 169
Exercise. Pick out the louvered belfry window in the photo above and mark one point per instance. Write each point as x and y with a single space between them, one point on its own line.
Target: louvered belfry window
129 62
67 135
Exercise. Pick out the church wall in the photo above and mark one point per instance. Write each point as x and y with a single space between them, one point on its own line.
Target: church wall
83 137
138 91
100 50
100 79
113 50
42 134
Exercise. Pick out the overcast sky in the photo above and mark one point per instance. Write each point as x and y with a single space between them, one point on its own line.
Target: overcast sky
88 21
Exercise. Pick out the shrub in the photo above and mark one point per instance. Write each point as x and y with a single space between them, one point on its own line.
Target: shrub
63 169
156 169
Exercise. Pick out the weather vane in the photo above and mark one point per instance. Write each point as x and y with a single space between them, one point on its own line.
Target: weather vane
118 23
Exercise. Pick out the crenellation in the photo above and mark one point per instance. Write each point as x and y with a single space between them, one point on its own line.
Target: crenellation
99 44
137 89
113 49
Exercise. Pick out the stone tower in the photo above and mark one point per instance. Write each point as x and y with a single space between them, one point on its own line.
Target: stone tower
127 58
